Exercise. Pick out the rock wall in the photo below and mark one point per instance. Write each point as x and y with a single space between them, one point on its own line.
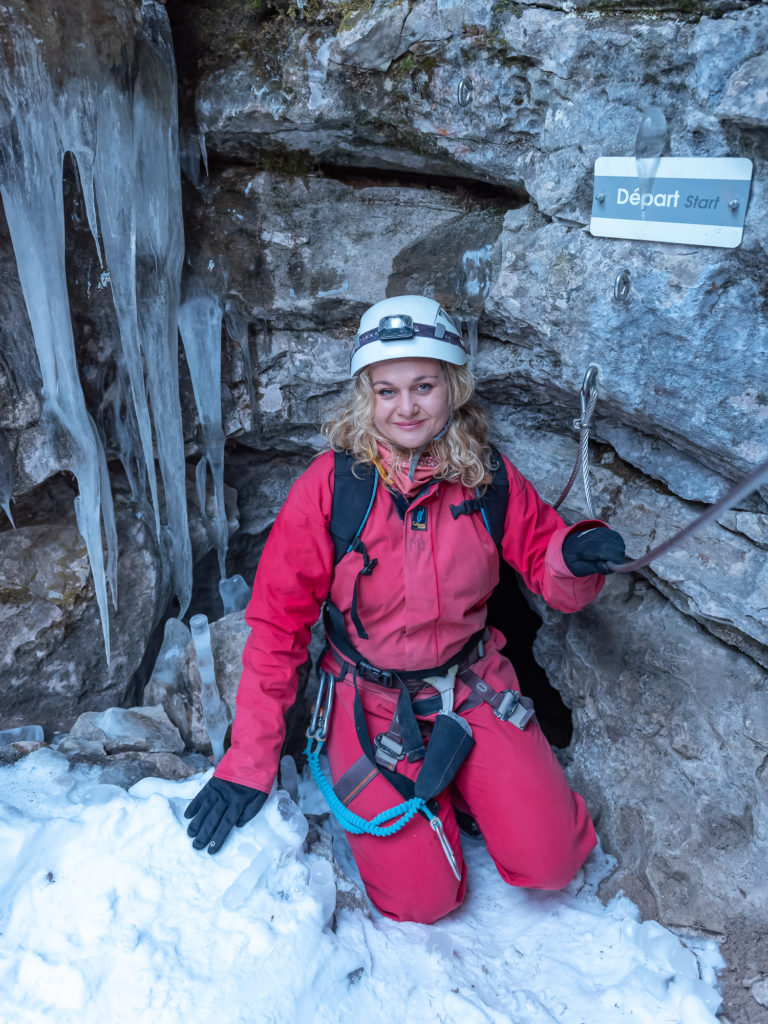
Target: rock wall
328 162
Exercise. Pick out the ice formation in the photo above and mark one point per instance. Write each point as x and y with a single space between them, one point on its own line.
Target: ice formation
235 593
22 734
289 776
215 716
113 108
200 317
170 658
6 479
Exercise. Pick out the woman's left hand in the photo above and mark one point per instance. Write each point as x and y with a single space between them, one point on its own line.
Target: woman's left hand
590 551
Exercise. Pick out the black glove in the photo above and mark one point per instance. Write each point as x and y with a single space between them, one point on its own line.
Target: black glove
589 551
217 807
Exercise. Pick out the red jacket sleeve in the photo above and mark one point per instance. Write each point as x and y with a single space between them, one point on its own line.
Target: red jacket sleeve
291 584
533 545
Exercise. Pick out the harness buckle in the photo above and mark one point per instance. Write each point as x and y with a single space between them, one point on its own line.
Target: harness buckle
375 675
321 712
514 708
388 751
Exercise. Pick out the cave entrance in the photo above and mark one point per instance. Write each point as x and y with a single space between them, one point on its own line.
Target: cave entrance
509 611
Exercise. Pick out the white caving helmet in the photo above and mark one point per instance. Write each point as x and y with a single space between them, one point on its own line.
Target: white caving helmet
403 327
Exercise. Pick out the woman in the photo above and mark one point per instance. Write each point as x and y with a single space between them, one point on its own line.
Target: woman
409 596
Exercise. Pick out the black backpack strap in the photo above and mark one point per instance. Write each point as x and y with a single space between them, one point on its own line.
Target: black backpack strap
492 505
497 498
353 494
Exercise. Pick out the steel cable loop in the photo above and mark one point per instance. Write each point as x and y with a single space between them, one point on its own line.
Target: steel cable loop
587 410
588 400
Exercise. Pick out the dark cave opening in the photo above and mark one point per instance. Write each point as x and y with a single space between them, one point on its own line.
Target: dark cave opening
509 612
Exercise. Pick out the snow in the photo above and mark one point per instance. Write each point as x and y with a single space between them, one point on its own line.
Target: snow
108 914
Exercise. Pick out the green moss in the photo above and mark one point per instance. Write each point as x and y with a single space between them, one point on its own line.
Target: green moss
291 163
688 9
340 14
411 63
350 10
501 7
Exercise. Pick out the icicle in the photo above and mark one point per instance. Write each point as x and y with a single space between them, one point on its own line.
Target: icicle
471 324
119 121
200 325
215 714
31 187
650 141
6 478
476 274
474 283
159 256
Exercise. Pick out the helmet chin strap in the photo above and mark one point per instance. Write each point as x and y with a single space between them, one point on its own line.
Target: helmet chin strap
420 451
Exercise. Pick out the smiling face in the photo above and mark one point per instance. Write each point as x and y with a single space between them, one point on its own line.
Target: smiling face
411 400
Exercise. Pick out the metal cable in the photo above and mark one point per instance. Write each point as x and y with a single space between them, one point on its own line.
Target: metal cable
587 399
728 500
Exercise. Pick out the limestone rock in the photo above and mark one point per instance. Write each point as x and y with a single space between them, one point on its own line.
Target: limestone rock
746 98
51 648
554 294
373 39
10 753
127 769
683 814
545 100
760 991
122 730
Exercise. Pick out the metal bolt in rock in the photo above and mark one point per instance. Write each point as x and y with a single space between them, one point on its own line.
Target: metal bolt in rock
465 91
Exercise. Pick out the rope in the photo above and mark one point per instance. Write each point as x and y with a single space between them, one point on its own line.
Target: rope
352 822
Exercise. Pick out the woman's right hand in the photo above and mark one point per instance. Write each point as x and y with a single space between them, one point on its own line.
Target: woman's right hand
218 807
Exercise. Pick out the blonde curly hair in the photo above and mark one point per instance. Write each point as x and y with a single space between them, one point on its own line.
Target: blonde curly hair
463 454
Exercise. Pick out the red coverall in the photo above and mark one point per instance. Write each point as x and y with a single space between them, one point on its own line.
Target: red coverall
420 605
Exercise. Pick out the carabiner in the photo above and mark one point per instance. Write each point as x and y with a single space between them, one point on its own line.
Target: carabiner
321 713
437 827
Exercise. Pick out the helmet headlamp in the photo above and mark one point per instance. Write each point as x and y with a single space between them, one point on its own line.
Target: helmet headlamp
392 328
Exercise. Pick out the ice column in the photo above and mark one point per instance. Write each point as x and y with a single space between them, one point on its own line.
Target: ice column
215 714
289 777
200 317
6 478
474 283
114 108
